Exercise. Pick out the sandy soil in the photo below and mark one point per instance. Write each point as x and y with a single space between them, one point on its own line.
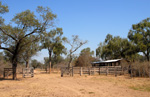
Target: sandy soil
45 85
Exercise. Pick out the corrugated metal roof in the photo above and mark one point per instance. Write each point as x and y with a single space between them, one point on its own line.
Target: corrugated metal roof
107 61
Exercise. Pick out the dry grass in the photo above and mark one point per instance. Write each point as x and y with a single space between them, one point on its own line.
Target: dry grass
52 85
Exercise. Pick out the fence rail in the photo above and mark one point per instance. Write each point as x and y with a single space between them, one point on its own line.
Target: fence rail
116 70
28 72
7 72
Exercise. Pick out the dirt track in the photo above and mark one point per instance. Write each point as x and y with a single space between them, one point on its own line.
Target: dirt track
45 85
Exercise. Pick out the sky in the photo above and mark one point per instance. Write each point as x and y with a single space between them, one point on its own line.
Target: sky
91 20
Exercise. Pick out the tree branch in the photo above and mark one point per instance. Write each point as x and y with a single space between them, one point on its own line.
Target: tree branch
7 34
29 33
6 49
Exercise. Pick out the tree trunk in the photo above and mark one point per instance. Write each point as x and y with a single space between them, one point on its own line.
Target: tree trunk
14 66
70 60
147 57
50 56
27 64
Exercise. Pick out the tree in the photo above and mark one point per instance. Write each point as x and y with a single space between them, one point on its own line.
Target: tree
52 41
100 49
14 38
35 64
116 47
75 44
140 36
30 51
3 9
85 58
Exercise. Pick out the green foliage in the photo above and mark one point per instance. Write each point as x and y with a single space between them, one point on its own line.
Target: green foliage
116 47
16 40
27 29
3 9
53 41
140 35
35 64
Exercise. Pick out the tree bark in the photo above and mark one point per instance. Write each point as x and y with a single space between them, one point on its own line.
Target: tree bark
27 64
50 57
70 60
14 66
147 57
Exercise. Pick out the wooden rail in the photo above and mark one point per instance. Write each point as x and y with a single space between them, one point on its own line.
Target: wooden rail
116 70
7 72
28 72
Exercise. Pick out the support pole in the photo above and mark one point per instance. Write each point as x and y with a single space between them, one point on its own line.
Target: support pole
80 71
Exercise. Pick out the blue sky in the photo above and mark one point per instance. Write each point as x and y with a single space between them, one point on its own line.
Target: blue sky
92 20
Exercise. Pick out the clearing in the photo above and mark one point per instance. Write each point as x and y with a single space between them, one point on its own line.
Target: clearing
52 85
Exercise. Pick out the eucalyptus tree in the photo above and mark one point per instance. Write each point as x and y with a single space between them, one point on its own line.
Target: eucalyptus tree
14 38
75 44
100 49
116 47
140 35
3 9
30 50
52 41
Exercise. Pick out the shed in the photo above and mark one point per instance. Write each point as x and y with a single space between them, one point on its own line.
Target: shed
114 62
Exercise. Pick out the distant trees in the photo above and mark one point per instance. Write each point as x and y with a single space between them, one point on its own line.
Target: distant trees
35 63
85 58
140 36
14 39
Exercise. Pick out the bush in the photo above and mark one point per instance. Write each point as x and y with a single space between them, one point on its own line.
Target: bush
141 69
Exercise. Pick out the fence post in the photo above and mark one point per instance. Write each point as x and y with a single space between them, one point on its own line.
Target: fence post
80 71
61 72
116 69
106 71
131 72
149 71
22 72
72 71
94 71
99 70
89 71
143 72
4 73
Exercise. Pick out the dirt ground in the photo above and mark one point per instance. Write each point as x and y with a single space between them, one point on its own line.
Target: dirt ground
52 85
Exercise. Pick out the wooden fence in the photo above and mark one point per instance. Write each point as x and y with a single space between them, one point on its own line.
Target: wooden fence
7 72
116 70
28 72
